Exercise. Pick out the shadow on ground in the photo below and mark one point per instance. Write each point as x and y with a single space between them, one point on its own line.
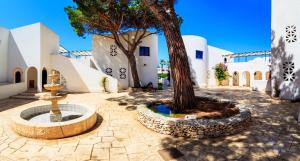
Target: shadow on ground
273 135
6 104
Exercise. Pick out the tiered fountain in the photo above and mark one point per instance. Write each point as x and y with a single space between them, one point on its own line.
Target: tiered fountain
54 97
56 120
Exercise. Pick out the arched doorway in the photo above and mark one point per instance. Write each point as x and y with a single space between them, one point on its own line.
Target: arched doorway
32 78
18 77
246 79
268 75
235 79
257 75
44 77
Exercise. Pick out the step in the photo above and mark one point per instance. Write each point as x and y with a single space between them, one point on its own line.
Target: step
27 94
25 97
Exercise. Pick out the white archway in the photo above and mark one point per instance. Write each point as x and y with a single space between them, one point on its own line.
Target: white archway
258 75
246 78
236 79
32 78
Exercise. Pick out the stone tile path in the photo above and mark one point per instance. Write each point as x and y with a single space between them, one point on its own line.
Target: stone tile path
273 135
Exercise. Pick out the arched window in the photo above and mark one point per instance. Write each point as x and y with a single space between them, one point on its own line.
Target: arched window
18 77
225 60
44 77
257 75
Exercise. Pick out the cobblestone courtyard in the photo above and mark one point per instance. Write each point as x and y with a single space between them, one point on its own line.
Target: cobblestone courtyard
273 135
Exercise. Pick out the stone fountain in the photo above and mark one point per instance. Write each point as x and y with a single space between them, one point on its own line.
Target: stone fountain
54 97
56 120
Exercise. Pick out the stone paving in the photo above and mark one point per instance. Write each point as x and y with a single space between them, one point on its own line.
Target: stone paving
273 135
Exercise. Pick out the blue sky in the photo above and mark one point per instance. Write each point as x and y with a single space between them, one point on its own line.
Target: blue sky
234 25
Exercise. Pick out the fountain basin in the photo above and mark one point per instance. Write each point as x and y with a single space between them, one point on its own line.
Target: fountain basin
48 97
53 87
34 122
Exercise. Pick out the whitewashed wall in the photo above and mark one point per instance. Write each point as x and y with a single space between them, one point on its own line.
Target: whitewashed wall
101 51
12 89
24 50
285 15
49 45
4 35
80 77
146 65
198 66
258 64
215 57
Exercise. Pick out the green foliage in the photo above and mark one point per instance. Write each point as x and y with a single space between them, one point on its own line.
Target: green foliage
221 72
106 17
160 86
162 63
162 75
168 64
103 83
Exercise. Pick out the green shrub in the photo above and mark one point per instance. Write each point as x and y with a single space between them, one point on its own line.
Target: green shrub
162 75
221 72
160 86
103 81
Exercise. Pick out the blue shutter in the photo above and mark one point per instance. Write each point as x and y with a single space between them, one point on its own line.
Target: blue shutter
199 54
144 51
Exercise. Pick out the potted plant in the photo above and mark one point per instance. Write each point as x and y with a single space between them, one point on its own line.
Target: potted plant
221 73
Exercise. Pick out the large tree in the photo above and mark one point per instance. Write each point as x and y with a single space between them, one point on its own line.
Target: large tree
164 11
127 22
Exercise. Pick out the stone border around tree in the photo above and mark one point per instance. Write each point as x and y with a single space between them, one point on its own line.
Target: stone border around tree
196 128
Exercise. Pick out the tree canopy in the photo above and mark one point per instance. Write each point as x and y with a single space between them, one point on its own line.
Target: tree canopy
111 16
127 22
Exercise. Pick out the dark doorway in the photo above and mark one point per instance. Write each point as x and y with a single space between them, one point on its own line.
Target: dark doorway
17 77
31 83
44 77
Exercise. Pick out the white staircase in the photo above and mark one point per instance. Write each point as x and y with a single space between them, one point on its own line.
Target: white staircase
28 95
80 77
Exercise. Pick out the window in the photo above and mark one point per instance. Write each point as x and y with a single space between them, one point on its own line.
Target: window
199 54
17 77
225 60
144 51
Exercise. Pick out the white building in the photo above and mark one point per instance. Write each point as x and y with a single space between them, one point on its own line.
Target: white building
286 48
164 70
29 53
250 70
246 69
113 62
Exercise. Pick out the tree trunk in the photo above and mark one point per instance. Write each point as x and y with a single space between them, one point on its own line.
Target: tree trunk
134 72
184 97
